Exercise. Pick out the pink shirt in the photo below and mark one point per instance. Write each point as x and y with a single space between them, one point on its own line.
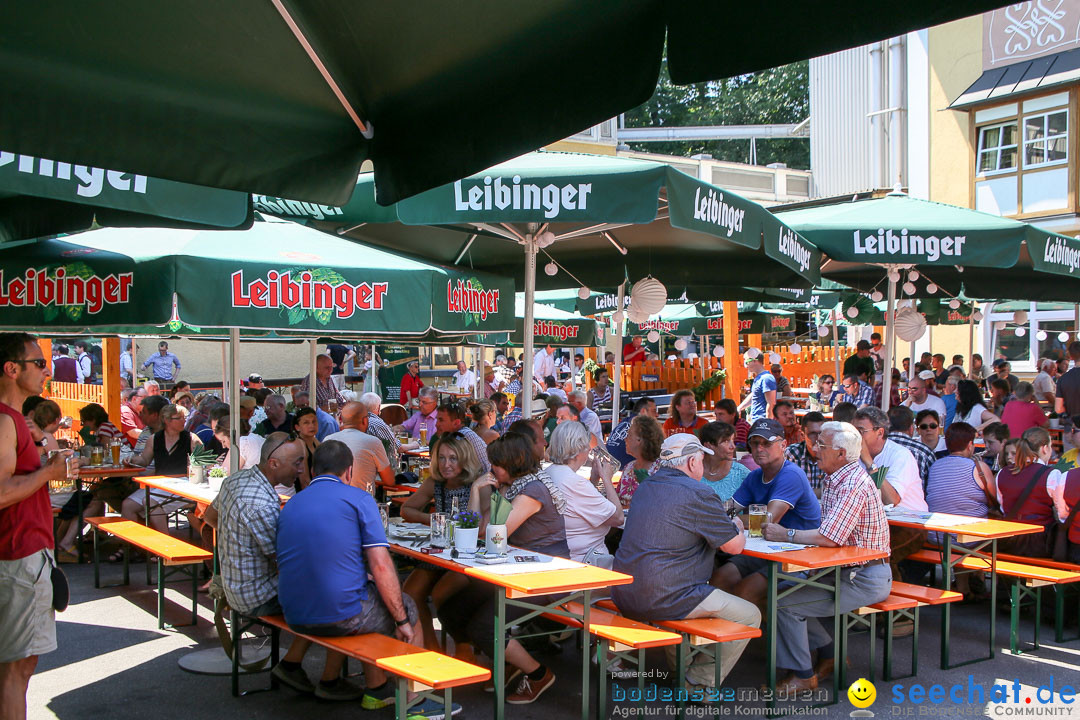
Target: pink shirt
1021 416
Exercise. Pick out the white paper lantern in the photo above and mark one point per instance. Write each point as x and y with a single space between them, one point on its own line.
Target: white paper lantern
680 344
584 293
648 295
977 315
913 275
618 317
636 316
954 303
1041 335
1020 317
1063 336
718 351
774 358
822 331
909 288
894 276
910 325
852 312
794 348
1020 331
551 268
876 296
931 288
545 239
753 353
653 335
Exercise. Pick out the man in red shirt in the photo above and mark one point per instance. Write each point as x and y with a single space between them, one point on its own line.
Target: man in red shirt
131 425
27 622
632 352
411 383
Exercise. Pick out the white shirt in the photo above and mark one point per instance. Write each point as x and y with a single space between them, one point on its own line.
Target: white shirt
902 472
369 456
250 451
974 416
1044 384
543 365
932 402
592 421
83 367
465 381
1055 488
587 511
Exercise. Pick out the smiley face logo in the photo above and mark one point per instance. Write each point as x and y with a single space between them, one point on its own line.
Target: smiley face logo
862 693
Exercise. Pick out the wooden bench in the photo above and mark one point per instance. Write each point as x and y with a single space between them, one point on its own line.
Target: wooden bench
181 556
427 673
1028 577
895 607
1059 591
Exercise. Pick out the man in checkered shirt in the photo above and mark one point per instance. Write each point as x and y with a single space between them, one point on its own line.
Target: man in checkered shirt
851 514
902 431
245 514
857 392
379 429
804 455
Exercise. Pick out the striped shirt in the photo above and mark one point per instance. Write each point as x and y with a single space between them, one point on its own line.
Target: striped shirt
377 428
108 432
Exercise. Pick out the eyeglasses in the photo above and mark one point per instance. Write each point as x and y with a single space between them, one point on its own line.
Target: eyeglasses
41 363
926 426
826 382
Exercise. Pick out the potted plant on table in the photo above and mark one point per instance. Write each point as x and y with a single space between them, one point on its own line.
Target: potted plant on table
216 477
1055 420
466 530
200 459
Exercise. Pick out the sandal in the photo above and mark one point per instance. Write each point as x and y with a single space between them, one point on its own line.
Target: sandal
117 556
66 556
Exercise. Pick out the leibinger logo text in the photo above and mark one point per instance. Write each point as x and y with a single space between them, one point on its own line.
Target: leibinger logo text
713 209
494 193
789 245
1058 252
886 242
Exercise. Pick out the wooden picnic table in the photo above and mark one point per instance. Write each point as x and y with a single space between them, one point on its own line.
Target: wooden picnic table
516 590
807 567
978 535
96 473
800 412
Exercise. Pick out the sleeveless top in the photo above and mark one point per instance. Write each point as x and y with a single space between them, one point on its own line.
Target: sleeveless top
599 399
27 526
444 498
1038 509
952 488
1072 496
175 461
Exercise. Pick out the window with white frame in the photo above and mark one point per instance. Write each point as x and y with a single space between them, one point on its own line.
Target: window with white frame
1046 139
1039 337
997 148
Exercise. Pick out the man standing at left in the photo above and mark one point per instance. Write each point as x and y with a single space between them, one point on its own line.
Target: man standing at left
27 621
166 364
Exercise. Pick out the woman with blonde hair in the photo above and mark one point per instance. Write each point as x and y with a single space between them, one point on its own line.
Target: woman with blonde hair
1024 496
454 468
484 415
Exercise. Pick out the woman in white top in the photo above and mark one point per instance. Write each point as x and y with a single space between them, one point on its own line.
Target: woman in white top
250 443
969 406
589 512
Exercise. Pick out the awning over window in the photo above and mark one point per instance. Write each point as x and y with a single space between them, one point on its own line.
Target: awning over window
1021 78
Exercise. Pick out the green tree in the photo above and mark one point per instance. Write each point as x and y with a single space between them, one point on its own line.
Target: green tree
777 95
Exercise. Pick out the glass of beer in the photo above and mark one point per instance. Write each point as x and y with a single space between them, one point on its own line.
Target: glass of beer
114 449
331 406
757 519
440 530
97 455
423 434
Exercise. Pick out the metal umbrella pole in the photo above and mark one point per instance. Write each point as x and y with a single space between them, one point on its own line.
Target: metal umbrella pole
835 348
890 340
616 387
530 298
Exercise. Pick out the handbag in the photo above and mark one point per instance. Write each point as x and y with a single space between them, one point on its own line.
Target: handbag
61 592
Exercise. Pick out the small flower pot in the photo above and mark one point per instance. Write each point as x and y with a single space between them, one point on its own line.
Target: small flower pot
465 539
197 474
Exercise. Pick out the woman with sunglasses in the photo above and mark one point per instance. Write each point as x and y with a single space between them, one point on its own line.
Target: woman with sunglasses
168 450
928 424
306 427
455 469
826 393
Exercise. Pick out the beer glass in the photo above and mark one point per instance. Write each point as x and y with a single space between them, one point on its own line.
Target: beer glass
114 449
440 530
384 513
97 455
331 406
757 519
423 434
730 508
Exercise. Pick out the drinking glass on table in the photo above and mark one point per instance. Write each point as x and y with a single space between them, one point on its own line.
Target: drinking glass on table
757 518
423 434
440 530
114 450
331 406
731 508
384 513
97 455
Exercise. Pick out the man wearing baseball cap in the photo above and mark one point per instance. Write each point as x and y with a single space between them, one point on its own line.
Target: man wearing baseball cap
675 526
782 486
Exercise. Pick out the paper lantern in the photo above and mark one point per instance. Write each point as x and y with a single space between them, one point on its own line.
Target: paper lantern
852 312
913 275
551 268
909 288
876 296
977 315
894 276
909 324
1020 331
648 295
774 358
635 315
822 331
584 293
545 239
1063 336
1041 335
795 348
753 353
931 288
718 351
653 335
680 344
618 317
954 303
1020 317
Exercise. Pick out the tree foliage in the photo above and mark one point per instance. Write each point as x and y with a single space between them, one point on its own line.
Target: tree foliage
777 95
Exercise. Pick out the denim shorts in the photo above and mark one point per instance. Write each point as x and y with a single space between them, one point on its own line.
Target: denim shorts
372 618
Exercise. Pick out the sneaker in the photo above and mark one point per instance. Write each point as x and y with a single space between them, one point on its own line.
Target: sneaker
512 673
528 690
296 679
430 710
342 690
377 698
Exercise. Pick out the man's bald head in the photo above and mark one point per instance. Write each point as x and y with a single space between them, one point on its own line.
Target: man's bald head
354 415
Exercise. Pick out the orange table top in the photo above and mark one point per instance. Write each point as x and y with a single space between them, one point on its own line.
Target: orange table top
541 582
101 471
986 529
178 485
813 558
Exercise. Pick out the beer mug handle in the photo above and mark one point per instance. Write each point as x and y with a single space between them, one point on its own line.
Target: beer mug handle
768 517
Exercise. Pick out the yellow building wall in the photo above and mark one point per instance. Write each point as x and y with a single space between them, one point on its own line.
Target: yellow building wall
955 59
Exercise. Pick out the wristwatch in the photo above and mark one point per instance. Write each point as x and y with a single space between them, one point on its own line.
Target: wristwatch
791 534
401 623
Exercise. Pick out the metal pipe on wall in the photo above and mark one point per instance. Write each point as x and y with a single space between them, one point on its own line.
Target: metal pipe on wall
897 103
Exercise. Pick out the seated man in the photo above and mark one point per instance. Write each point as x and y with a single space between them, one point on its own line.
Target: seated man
727 412
781 486
329 593
851 514
857 392
902 432
784 412
452 417
588 418
616 443
379 429
277 419
425 417
675 526
370 464
804 454
245 514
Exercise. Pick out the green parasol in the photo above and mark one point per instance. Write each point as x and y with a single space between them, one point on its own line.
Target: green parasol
550 326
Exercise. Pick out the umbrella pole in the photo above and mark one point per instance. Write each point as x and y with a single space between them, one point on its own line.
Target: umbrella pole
313 393
225 394
971 338
836 349
530 297
373 368
703 353
890 344
478 364
234 400
616 386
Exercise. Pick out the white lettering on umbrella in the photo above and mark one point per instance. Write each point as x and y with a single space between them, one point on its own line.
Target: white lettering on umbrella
713 209
546 328
492 193
466 299
296 208
90 180
1059 253
930 247
789 245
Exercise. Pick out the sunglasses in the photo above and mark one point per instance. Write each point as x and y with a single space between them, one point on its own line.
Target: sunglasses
41 363
925 426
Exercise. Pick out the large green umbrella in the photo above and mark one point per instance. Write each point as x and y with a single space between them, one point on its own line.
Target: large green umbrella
550 326
290 98
684 320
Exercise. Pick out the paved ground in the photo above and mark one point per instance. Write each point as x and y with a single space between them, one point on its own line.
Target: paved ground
113 663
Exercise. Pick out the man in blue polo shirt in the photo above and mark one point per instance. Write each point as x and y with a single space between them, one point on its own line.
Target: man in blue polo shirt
782 486
330 537
762 395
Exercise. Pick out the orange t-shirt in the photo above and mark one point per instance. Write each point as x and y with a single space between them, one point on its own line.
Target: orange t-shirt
672 426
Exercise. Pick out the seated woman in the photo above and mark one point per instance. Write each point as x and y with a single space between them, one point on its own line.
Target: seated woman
826 394
453 473
722 473
169 450
1023 495
600 394
1023 412
970 408
484 415
550 419
535 523
929 426
250 446
643 441
960 484
306 427
684 417
1065 490
589 512
98 430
